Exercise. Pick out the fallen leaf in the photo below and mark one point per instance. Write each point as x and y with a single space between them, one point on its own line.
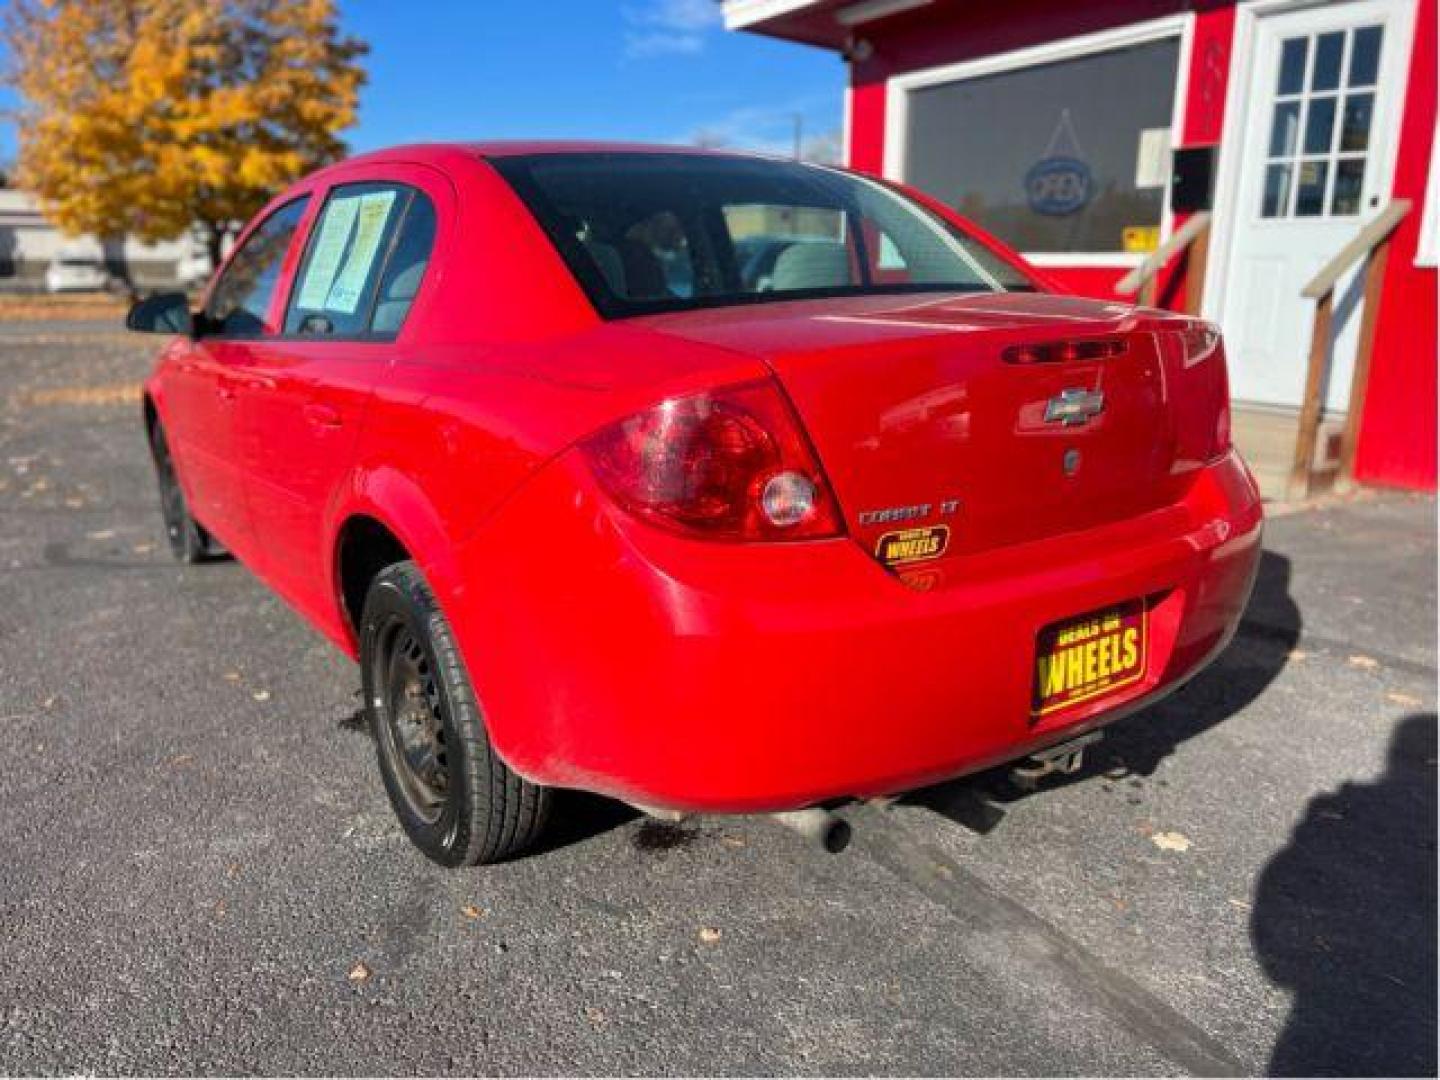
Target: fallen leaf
1171 841
733 841
261 695
1296 654
231 676
594 1015
100 534
359 973
1241 904
1365 663
142 549
470 911
1397 698
709 935
74 503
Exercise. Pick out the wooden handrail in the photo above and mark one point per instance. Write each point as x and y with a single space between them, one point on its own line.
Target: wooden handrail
1372 239
1377 229
1181 238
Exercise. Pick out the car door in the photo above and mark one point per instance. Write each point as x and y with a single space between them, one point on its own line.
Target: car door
304 393
202 389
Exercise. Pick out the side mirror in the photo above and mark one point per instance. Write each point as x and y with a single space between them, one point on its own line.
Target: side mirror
166 313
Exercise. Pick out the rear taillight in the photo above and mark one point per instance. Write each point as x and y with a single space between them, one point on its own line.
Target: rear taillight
730 464
1200 341
1222 431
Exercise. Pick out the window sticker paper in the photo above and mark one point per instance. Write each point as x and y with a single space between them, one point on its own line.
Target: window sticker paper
329 246
370 218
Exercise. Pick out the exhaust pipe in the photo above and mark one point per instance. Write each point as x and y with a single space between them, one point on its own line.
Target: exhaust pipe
819 826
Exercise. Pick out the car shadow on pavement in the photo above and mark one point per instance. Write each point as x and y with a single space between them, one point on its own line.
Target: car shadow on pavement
1344 917
1136 746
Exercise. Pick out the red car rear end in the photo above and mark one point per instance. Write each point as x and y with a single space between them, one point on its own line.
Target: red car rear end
1004 581
704 481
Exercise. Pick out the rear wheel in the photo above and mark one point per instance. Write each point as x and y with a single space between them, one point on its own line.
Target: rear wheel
189 542
458 802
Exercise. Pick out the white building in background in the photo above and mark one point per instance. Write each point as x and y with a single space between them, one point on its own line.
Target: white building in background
30 246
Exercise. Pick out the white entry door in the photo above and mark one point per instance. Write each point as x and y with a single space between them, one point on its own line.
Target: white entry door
1321 120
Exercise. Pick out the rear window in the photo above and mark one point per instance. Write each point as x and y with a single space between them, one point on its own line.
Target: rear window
658 232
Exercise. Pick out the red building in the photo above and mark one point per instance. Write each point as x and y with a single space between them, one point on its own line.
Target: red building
1056 125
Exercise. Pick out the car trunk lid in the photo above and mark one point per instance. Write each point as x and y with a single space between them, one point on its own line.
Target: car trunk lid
924 421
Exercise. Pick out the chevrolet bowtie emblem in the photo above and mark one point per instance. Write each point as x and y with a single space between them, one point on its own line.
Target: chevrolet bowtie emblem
1074 406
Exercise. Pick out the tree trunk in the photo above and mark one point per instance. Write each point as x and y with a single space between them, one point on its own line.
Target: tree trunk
116 265
215 234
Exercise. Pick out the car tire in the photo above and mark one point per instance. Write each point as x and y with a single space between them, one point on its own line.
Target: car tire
457 801
189 542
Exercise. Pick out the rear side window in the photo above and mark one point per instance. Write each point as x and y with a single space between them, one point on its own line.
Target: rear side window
367 251
405 268
241 298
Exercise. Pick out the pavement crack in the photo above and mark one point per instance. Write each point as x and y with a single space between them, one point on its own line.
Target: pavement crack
969 899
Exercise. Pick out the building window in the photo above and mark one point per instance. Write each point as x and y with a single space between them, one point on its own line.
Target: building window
1068 156
1308 152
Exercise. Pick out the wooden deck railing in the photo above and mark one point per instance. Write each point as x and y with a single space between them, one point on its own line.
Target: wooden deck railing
1372 239
1195 235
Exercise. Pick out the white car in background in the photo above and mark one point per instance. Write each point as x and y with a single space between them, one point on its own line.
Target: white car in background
76 273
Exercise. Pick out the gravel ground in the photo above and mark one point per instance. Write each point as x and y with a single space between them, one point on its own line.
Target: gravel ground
199 871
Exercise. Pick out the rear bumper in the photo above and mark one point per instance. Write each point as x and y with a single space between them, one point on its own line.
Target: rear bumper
712 677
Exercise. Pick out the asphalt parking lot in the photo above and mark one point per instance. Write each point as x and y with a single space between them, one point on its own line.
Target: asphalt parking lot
199 871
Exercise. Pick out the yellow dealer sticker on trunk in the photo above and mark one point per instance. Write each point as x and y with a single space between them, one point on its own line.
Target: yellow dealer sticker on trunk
912 545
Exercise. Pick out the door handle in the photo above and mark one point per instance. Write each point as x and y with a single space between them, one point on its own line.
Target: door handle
322 416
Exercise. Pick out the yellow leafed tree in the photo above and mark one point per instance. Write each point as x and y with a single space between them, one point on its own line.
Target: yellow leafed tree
150 117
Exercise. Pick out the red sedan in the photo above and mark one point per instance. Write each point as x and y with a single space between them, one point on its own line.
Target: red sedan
708 482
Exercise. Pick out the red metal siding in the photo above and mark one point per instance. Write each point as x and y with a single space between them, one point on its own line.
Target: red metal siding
1397 437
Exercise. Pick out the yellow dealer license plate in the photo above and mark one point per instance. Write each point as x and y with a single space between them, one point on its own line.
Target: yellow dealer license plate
1090 656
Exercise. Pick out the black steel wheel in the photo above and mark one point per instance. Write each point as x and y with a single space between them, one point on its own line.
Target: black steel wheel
412 732
457 801
189 542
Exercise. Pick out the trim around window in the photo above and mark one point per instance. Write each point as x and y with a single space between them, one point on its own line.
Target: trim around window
1425 249
899 87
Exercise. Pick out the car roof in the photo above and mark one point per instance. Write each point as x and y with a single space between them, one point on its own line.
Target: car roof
441 153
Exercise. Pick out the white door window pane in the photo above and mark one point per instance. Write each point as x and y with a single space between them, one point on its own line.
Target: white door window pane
1319 125
1365 56
1355 128
1328 50
1292 66
1310 192
1285 129
1349 183
1276 201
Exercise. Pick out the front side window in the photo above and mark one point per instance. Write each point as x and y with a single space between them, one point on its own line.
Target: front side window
1068 157
657 232
240 301
363 263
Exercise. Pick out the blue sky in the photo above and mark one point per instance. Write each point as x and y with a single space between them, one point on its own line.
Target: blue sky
652 70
